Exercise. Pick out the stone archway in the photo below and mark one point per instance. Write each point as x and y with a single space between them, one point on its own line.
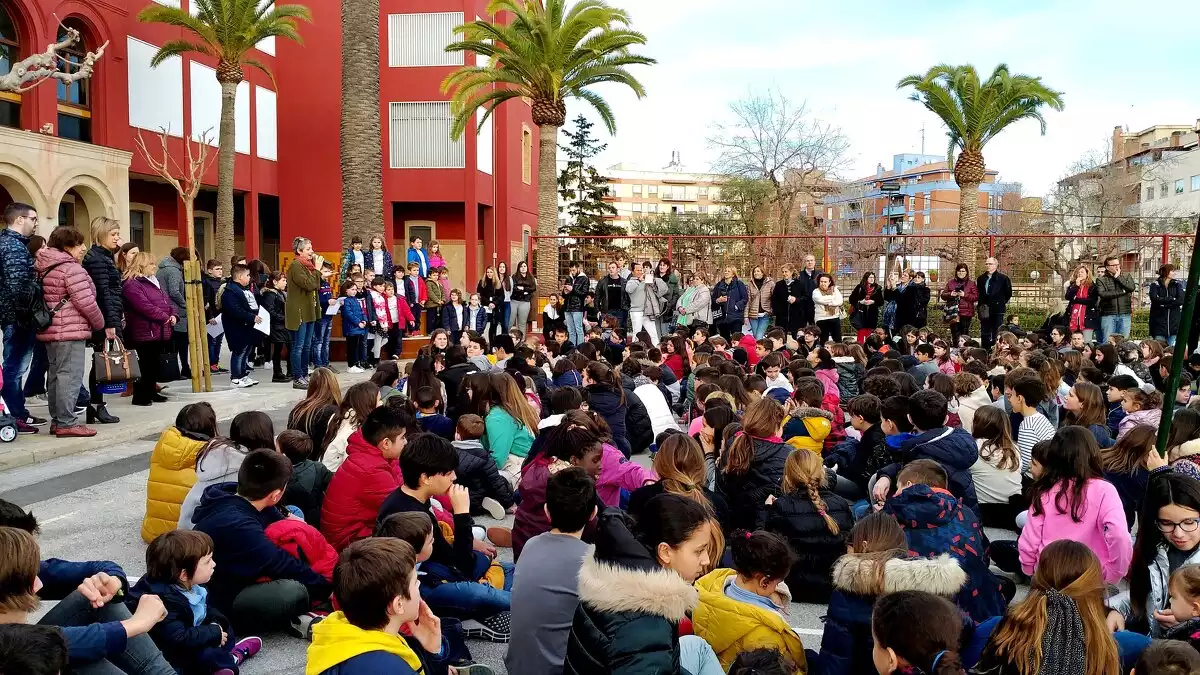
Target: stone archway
20 185
94 199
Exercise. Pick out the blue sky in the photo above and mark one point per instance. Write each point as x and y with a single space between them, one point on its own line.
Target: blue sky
1120 63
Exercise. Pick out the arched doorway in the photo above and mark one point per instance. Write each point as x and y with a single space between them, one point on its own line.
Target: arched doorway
85 200
16 185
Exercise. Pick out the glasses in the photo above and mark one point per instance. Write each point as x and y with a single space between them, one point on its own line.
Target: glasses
1186 525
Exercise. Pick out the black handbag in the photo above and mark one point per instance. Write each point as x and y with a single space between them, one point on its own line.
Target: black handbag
168 365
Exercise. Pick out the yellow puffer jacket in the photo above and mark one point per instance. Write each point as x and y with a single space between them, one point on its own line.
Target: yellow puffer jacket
172 474
733 627
806 428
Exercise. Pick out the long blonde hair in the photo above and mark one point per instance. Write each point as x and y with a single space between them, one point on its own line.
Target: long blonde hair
679 464
509 397
805 470
141 261
101 226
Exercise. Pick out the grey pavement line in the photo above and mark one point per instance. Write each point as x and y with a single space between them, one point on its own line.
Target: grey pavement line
79 480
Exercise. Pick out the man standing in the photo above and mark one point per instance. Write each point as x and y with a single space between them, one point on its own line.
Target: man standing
301 311
784 301
995 290
1116 300
611 297
16 273
575 291
808 283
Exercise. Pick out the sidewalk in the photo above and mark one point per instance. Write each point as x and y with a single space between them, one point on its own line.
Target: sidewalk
139 422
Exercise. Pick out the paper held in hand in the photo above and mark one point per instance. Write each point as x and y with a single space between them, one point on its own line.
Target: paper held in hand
335 305
216 329
263 326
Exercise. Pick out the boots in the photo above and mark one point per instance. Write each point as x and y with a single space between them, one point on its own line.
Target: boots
99 415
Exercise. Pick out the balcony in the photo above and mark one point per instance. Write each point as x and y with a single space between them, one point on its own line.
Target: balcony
893 210
853 214
676 196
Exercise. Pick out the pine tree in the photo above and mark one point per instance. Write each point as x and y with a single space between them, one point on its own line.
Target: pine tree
582 187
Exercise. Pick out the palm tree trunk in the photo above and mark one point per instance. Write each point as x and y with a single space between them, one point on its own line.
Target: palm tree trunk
226 154
361 128
970 243
547 224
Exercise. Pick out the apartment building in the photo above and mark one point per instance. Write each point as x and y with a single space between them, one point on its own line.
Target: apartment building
1162 166
635 191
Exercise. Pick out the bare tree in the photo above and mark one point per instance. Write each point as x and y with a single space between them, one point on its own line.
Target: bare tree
772 139
51 65
186 178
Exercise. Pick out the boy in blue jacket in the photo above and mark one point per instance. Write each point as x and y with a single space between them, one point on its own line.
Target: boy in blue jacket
235 516
936 523
376 587
239 315
97 629
952 447
355 315
325 323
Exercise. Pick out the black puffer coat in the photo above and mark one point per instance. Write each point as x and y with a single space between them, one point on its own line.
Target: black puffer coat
102 268
629 609
747 492
795 517
637 419
273 301
477 471
1166 308
606 400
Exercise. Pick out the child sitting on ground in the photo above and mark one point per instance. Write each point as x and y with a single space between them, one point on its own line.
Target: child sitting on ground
377 590
173 467
1184 588
916 632
565 446
194 638
762 662
745 608
936 523
814 521
427 401
546 582
32 649
1167 657
236 518
310 478
221 459
857 460
808 425
1142 406
367 477
951 447
490 492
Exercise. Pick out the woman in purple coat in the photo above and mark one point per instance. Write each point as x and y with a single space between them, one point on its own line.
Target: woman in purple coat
148 322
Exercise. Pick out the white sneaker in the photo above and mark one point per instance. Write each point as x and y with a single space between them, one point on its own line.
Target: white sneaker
354 369
251 380
493 508
242 383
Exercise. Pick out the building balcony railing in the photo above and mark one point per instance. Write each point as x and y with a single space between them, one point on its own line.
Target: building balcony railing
677 197
893 210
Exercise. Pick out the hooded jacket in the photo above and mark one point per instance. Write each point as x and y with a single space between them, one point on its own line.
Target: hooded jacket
846 644
102 268
733 627
747 492
657 409
219 465
629 609
172 475
242 551
1103 529
858 460
177 636
304 543
237 316
967 405
341 648
1166 307
306 489
606 400
830 378
79 315
850 377
806 428
357 490
935 523
619 474
170 276
531 519
795 517
951 447
274 302
477 471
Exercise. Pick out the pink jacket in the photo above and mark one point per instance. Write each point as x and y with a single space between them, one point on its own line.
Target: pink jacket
829 378
947 367
80 315
618 473
1104 530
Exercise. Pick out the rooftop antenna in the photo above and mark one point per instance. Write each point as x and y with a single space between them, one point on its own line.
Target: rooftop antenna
922 138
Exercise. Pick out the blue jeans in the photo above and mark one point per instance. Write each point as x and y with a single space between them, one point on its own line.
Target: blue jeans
1113 324
465 599
759 327
214 350
574 327
301 350
140 654
1169 339
507 315
320 349
18 354
239 357
697 657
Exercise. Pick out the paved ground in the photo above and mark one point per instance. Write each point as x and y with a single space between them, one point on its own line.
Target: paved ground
90 506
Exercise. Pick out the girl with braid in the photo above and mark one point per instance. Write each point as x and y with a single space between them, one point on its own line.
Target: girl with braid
814 521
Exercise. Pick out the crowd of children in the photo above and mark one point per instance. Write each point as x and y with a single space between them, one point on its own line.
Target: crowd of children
784 470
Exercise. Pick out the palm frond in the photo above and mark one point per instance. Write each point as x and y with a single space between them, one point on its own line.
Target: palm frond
255 63
178 48
602 108
172 16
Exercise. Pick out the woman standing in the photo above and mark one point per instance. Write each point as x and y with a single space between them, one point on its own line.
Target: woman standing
865 301
378 258
68 291
896 283
524 290
1166 305
758 310
694 308
101 266
666 272
506 285
125 255
729 297
1082 304
491 295
960 296
827 301
148 323
170 277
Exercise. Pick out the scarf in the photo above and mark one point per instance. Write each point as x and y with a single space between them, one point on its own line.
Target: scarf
684 301
1079 310
1062 641
307 262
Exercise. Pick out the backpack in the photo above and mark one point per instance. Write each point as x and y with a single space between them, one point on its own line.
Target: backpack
219 295
39 313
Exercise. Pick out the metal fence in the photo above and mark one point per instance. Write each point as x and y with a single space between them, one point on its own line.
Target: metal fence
1038 264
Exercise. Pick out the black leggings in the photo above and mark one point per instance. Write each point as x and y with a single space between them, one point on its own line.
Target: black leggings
831 329
960 327
277 358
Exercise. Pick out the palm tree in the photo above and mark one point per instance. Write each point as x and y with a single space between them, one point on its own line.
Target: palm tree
226 30
974 113
547 53
361 128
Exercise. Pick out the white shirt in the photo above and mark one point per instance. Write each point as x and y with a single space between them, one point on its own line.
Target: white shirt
992 485
377 261
357 257
1033 430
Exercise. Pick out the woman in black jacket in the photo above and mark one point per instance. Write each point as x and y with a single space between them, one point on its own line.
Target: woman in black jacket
636 587
865 302
101 266
1083 302
1166 305
491 295
815 521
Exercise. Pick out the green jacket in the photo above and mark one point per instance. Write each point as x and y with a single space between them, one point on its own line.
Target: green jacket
301 306
435 294
504 436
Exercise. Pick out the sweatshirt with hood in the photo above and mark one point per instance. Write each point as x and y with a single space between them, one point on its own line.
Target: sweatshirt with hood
341 648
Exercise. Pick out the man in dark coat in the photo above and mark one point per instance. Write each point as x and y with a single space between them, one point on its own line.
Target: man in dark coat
611 297
808 283
16 274
995 290
786 299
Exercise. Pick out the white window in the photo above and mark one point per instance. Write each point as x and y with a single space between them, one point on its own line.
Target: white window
1150 193
483 147
206 108
703 192
1195 183
637 207
265 123
421 39
1179 186
637 190
168 3
652 208
653 189
420 137
155 94
928 201
1162 190
703 208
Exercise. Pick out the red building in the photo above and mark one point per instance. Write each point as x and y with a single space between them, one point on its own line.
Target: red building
70 151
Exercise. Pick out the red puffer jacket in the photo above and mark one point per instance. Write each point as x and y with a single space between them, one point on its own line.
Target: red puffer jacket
303 542
356 492
80 315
